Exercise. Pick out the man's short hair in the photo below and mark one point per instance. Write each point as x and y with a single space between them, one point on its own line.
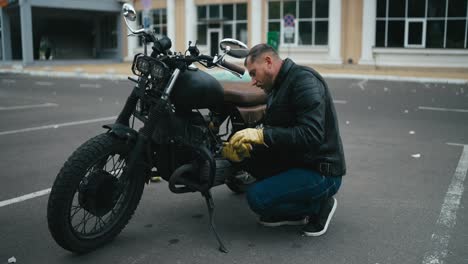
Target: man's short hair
259 50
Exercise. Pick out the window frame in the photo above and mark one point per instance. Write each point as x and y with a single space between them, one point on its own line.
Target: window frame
153 25
297 21
1 36
423 37
425 21
234 22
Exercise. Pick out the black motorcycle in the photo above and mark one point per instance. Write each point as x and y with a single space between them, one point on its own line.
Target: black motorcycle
100 185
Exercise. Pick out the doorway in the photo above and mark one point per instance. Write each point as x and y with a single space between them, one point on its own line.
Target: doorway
214 36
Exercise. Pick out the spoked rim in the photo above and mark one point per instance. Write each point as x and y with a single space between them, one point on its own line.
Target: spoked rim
87 224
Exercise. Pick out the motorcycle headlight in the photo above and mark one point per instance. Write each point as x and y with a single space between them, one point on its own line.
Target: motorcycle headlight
143 65
158 71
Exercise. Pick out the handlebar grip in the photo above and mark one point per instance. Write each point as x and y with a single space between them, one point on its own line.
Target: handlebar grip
232 67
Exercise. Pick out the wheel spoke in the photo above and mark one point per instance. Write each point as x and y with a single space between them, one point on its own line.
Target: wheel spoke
95 225
118 167
80 218
76 210
102 224
84 222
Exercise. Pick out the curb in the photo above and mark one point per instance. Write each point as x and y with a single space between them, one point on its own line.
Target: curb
226 76
68 74
394 78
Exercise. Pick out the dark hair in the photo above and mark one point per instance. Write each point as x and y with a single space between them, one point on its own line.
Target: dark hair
258 50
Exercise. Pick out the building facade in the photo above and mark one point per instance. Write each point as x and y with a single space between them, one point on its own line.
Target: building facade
419 33
34 30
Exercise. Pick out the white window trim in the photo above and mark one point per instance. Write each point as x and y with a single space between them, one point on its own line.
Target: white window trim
422 57
423 37
208 36
421 51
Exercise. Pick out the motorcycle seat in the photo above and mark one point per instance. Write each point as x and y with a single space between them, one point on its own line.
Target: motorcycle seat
244 95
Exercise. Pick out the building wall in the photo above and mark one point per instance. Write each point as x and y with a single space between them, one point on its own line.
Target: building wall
264 13
351 34
125 43
155 4
207 2
181 41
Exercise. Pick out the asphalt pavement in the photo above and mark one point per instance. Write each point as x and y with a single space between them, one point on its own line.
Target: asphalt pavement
402 201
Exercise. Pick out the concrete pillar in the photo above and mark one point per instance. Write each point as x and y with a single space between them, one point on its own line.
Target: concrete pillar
26 32
334 32
6 36
120 51
190 21
256 22
132 41
171 26
368 32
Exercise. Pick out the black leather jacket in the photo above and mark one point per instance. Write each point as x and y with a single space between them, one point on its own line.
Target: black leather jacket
300 125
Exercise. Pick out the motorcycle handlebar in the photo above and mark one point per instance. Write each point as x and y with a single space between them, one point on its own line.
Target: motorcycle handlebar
230 66
233 67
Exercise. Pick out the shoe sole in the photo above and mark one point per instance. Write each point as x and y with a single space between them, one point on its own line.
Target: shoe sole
282 223
330 216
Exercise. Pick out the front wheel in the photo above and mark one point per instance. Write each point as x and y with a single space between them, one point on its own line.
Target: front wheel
90 203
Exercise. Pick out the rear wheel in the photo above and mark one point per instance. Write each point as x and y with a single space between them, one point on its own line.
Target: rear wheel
90 203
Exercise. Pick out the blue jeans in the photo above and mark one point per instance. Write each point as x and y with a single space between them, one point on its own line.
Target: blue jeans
295 192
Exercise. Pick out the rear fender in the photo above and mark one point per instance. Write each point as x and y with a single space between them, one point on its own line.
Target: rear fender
247 117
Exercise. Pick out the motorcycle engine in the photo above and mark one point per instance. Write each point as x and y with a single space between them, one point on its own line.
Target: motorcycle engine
177 141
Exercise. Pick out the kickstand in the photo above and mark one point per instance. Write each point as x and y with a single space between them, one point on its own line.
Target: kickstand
210 205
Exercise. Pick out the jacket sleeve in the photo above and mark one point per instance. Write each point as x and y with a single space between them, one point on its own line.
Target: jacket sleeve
308 131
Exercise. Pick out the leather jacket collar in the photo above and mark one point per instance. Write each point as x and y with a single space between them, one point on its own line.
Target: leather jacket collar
283 72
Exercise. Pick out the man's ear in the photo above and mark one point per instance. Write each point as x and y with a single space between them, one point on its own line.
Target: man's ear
269 61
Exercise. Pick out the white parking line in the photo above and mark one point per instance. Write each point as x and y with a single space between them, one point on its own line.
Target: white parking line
8 81
40 193
92 85
27 106
44 83
456 144
340 101
24 197
58 125
443 109
448 214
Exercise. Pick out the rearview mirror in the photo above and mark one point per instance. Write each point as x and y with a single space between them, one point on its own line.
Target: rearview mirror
129 12
234 48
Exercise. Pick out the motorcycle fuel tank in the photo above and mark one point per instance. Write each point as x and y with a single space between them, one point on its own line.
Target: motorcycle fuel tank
196 89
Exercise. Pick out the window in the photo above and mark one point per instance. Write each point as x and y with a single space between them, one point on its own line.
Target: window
1 39
156 20
109 32
230 18
299 22
422 24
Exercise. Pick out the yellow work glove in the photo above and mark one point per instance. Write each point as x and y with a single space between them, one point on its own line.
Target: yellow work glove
248 135
236 154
